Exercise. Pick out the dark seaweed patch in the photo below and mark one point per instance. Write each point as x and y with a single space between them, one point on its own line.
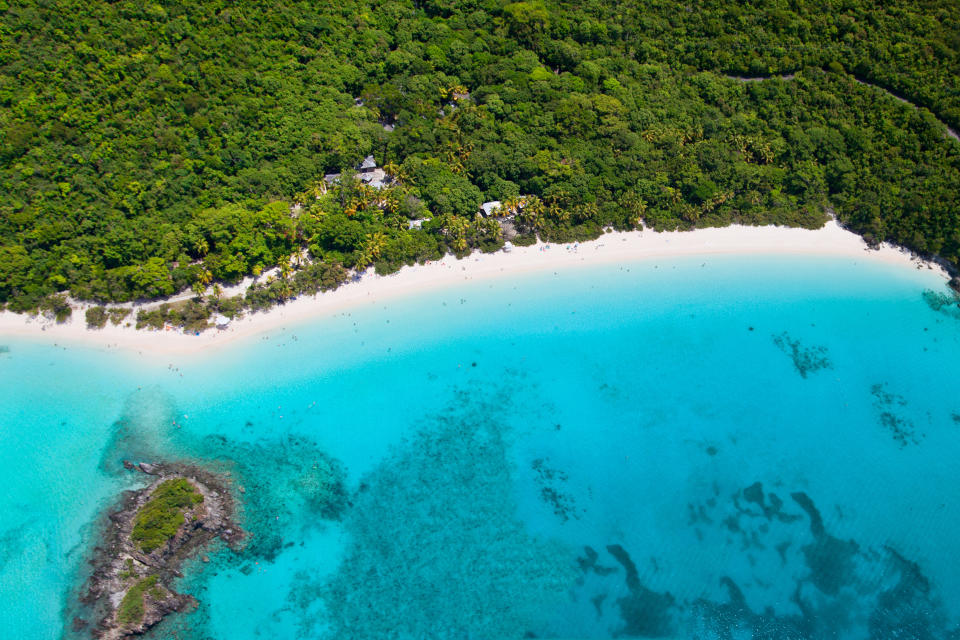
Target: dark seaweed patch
597 601
782 550
734 619
888 406
841 580
840 588
806 360
770 505
697 514
549 480
831 563
831 560
588 563
645 613
11 542
908 607
816 521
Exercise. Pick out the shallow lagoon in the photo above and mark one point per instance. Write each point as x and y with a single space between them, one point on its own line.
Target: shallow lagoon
702 447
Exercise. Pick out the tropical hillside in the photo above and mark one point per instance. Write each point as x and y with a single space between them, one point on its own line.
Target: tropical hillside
149 149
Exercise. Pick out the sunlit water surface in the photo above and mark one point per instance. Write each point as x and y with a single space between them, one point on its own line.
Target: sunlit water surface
758 447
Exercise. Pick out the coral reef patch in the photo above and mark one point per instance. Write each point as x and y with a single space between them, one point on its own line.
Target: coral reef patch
550 481
805 359
441 505
947 303
889 408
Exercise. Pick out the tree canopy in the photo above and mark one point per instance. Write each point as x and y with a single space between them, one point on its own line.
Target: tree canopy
149 147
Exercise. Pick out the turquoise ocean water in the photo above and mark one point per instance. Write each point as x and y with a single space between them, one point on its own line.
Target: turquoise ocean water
751 447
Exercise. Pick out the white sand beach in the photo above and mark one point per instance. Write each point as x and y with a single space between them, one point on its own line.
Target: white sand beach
615 247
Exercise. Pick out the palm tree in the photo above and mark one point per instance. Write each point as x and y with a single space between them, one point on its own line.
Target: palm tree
533 203
201 247
391 204
457 92
204 277
367 194
586 211
636 206
372 248
557 212
486 227
456 228
399 223
460 242
392 169
531 220
285 289
376 242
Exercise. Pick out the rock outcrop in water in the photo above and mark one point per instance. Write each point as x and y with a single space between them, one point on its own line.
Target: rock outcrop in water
145 542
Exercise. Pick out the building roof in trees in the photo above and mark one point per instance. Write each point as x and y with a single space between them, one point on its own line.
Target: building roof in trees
489 207
376 178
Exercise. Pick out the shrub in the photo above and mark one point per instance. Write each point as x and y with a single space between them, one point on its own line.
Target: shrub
117 314
131 607
189 314
161 517
97 317
57 307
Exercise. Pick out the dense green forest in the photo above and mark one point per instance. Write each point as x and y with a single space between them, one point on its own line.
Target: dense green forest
153 148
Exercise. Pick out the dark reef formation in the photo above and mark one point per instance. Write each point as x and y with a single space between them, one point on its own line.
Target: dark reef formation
836 587
440 505
646 613
549 481
144 543
890 407
944 302
807 360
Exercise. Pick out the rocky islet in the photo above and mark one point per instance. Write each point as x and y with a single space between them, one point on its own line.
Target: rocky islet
146 540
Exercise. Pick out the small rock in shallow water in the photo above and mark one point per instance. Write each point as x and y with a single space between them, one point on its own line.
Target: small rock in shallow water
205 558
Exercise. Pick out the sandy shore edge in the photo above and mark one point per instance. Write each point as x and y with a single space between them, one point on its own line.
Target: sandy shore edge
617 247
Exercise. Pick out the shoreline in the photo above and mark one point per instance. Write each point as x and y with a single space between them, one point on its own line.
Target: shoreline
610 248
